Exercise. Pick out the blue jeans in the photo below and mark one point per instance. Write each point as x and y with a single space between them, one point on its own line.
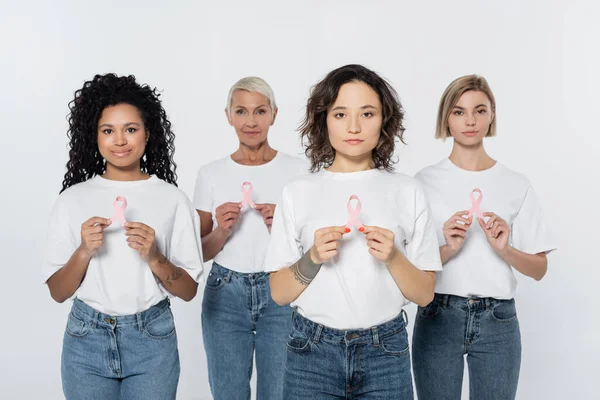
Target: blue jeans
367 364
127 357
239 319
486 330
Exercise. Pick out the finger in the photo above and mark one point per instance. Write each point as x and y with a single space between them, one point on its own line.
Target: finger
491 222
456 225
97 221
330 237
459 214
380 247
139 240
376 253
387 233
138 232
377 236
237 204
230 207
481 223
328 247
138 225
489 214
92 229
95 237
457 232
229 215
466 221
330 229
328 255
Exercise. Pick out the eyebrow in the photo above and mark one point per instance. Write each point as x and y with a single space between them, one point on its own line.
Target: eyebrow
480 105
112 126
345 108
262 105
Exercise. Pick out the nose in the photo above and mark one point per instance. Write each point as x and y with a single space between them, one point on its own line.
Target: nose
120 139
251 123
354 125
471 120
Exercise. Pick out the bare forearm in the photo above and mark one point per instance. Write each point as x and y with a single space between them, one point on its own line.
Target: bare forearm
66 280
532 265
173 278
446 253
289 283
213 243
416 285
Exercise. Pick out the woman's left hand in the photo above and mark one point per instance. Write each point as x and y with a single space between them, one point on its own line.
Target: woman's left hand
381 243
496 231
267 210
141 238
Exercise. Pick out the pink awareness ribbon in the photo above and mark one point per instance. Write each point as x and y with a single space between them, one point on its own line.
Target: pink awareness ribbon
353 214
247 191
475 203
120 204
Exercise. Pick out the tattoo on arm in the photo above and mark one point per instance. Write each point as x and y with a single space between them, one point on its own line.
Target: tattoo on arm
174 274
305 269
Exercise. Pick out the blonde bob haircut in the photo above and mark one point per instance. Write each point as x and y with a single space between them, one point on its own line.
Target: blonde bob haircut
451 96
252 84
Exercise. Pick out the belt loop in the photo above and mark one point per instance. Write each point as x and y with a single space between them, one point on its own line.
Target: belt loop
404 317
376 335
228 276
318 333
487 302
445 300
140 322
96 318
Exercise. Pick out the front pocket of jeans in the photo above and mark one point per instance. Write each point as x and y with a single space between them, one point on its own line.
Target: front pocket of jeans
298 342
429 311
504 311
162 327
76 327
395 344
214 281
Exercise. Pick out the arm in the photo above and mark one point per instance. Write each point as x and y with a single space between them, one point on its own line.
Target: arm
288 283
228 214
64 282
416 285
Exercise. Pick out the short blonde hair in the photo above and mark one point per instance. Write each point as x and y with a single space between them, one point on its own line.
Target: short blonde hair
451 96
252 84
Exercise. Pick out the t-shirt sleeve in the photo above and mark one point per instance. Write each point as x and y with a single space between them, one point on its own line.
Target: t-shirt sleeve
185 245
60 241
284 247
423 249
203 192
530 233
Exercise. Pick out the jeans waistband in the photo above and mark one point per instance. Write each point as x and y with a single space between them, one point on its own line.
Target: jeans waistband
228 273
319 332
85 312
484 303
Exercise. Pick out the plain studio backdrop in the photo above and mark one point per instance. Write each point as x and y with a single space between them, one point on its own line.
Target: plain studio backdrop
541 60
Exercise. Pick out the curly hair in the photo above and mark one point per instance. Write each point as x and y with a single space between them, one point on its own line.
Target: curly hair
313 128
85 160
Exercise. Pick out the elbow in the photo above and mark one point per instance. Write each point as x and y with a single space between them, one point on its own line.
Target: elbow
189 296
541 274
426 300
57 298
278 297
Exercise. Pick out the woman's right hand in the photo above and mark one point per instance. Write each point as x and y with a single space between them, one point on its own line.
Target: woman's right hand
326 243
455 230
227 215
92 234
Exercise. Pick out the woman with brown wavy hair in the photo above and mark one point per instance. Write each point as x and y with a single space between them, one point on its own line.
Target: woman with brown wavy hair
349 282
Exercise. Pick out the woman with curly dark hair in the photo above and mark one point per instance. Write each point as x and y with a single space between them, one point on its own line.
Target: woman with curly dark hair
122 240
349 283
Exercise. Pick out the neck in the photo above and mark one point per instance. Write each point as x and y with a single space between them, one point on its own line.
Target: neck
254 155
471 158
131 173
344 163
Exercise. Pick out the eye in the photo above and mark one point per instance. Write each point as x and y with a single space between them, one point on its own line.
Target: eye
107 131
368 114
482 111
458 112
339 115
131 130
261 111
239 112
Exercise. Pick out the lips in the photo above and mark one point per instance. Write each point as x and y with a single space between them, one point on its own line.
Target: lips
120 154
354 141
470 133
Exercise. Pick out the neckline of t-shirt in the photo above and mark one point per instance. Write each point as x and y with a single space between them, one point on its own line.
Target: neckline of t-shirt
455 167
265 165
351 175
112 183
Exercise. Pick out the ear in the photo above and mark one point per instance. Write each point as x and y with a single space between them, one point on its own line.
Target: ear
228 117
147 136
274 115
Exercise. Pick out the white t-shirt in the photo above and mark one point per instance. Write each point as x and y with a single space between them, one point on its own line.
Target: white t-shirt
476 270
118 281
354 290
221 182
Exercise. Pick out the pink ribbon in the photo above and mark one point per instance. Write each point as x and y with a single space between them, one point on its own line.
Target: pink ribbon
353 214
120 204
475 202
247 191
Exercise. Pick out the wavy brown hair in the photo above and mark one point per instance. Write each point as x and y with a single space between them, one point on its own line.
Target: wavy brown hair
313 129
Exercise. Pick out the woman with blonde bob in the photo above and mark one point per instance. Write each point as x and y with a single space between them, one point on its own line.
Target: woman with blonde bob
489 222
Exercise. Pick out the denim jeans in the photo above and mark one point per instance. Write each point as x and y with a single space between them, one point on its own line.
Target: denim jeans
126 357
368 364
239 321
486 330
